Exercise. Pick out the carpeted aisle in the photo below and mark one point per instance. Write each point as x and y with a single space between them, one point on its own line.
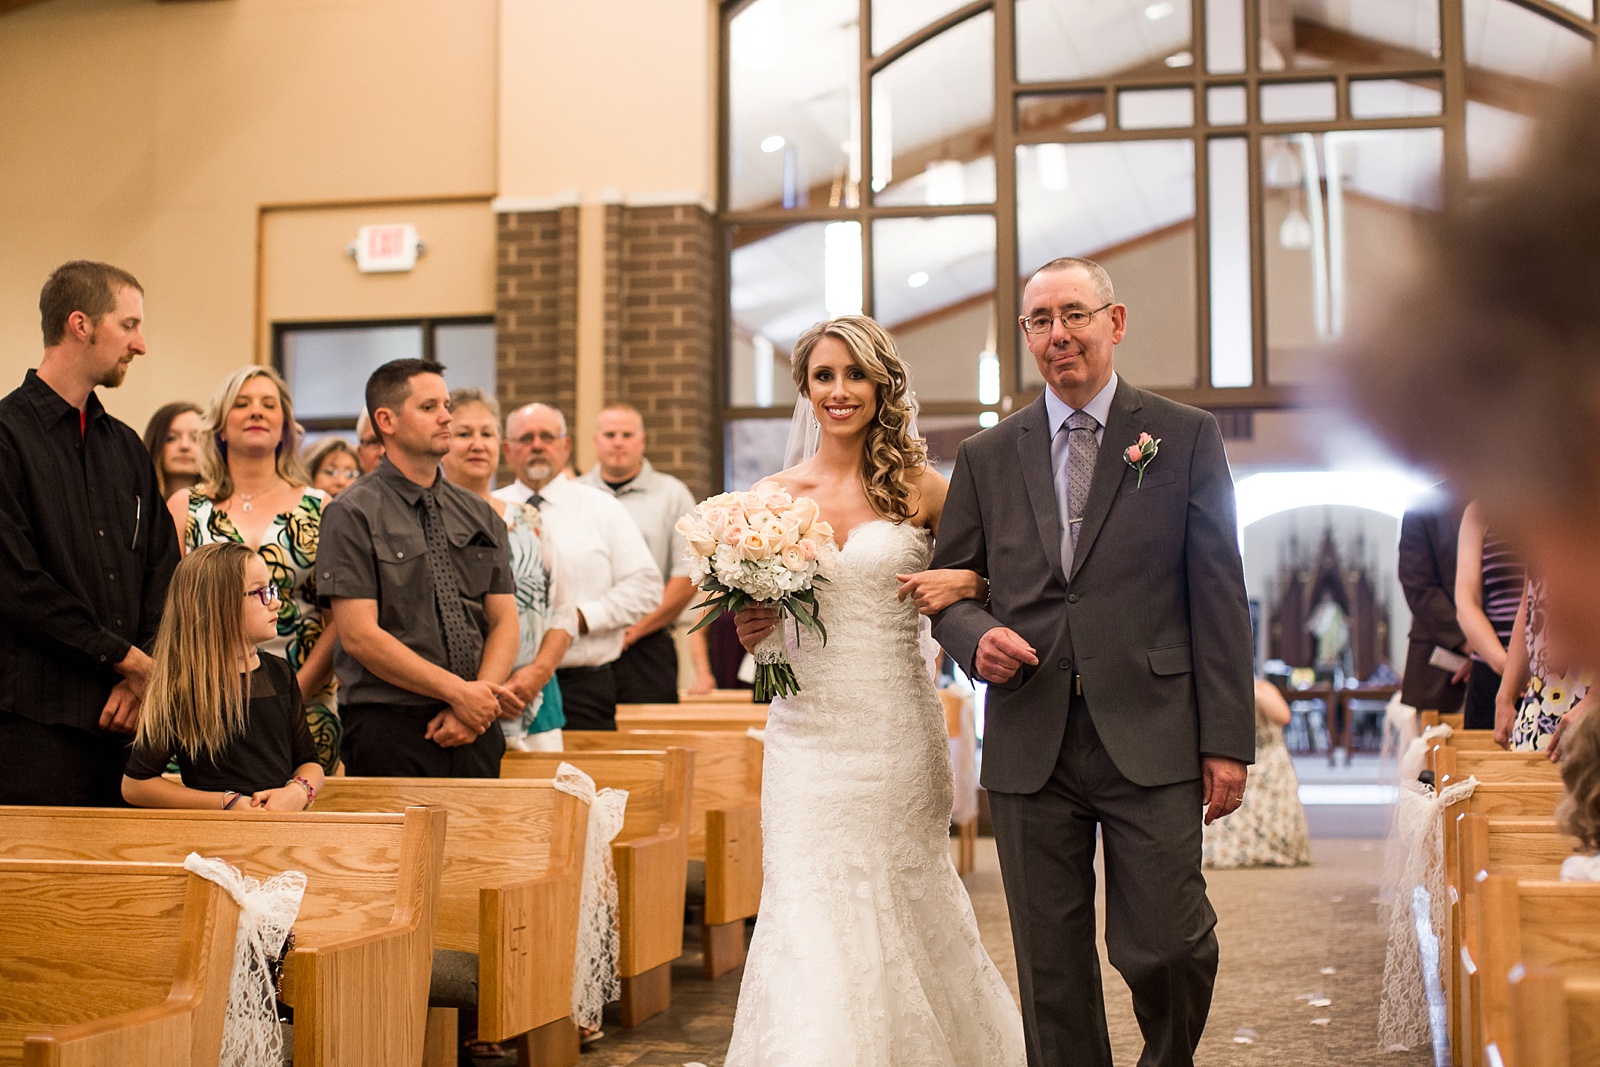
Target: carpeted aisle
1278 928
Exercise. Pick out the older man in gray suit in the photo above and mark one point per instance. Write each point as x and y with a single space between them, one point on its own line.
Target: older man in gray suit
1116 644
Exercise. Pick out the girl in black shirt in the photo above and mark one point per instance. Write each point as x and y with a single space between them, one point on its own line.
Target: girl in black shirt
231 716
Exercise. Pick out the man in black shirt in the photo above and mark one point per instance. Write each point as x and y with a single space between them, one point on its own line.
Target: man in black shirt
85 556
417 574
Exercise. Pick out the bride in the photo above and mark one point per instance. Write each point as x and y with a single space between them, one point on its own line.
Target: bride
866 953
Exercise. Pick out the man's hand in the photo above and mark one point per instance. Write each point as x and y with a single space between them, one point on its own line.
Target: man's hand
702 684
477 705
447 731
1002 653
630 636
1222 778
135 669
121 713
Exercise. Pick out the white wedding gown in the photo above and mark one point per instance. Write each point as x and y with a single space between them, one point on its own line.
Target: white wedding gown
866 951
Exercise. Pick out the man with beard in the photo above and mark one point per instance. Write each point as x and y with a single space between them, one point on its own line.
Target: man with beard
615 581
85 556
417 574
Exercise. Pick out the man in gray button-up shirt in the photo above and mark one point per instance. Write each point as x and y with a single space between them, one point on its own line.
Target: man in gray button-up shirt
405 712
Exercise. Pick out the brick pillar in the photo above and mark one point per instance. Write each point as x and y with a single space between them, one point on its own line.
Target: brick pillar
667 363
536 309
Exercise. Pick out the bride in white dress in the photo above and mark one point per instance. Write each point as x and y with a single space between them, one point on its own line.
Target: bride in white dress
866 952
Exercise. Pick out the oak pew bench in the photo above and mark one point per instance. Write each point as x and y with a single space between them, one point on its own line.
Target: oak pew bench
102 963
513 869
651 857
357 977
724 826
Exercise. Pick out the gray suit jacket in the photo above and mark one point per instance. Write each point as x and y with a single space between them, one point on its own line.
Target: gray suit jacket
1153 618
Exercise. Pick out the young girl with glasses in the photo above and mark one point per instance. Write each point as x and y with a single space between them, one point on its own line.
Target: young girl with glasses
230 715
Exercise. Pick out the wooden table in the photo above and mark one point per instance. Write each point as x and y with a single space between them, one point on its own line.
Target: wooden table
1345 696
1325 693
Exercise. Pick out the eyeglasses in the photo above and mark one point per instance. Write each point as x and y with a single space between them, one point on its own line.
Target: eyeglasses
1074 319
544 437
267 594
339 472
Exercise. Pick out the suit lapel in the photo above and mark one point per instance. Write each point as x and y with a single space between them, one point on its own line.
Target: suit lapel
1033 448
1123 427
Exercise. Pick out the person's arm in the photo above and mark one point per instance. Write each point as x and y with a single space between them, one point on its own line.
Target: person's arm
636 585
159 792
317 668
1270 702
178 508
528 682
475 703
1514 678
675 598
500 644
986 650
1570 720
1474 623
1431 603
1219 626
705 679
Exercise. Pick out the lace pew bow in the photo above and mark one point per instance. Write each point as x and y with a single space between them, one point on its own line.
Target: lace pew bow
251 1036
596 980
1414 896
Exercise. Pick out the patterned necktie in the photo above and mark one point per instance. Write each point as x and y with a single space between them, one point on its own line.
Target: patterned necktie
463 644
1073 453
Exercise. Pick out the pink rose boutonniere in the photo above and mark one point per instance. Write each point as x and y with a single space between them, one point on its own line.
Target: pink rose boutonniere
1139 455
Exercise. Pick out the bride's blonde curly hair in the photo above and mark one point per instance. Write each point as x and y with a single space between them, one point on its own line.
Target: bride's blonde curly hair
890 453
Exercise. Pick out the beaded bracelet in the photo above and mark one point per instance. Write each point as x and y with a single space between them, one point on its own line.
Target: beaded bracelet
311 794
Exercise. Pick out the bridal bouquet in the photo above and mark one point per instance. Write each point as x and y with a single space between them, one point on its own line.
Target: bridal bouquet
765 548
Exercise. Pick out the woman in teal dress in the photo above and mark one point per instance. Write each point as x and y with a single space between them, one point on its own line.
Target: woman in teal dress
253 492
547 616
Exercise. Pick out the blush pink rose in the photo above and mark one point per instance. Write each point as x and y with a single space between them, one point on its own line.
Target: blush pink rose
753 546
1134 455
793 558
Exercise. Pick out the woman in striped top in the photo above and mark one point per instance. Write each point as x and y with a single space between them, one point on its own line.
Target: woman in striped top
1489 581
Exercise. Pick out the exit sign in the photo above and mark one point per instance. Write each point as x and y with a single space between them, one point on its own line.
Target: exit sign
386 248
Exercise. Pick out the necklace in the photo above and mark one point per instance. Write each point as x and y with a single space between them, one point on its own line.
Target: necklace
244 499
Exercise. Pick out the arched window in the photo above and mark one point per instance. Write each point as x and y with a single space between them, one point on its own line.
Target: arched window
1251 172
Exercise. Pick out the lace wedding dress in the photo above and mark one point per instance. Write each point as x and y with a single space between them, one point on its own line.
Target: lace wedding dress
866 951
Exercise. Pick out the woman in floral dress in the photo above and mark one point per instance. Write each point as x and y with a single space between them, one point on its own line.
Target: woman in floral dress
1269 829
1536 692
254 492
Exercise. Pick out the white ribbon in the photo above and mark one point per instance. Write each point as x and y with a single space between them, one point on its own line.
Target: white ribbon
251 1036
1414 757
596 980
1413 882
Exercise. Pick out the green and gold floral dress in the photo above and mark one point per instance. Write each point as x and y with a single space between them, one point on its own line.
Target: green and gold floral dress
289 550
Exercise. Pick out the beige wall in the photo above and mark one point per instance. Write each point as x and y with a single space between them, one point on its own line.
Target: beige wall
614 98
170 138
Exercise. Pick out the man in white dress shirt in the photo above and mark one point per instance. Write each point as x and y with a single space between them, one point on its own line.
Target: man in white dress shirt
613 577
647 670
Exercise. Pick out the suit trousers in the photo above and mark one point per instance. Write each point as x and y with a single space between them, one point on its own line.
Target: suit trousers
647 671
588 697
1160 928
387 741
52 763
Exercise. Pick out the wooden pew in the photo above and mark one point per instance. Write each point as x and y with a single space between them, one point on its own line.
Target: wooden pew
718 696
1536 800
1491 766
691 716
957 725
513 869
1521 848
1555 1020
112 963
1532 924
357 977
651 855
1475 740
724 828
